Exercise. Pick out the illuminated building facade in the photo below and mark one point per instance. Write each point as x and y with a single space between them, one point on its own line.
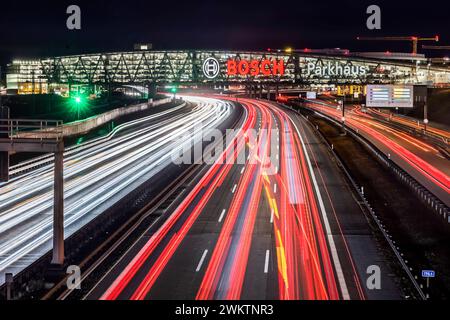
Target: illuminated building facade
186 67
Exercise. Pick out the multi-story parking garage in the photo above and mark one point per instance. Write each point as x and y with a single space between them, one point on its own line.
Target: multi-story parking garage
185 67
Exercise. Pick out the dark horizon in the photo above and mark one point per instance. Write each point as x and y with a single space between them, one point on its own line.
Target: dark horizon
39 29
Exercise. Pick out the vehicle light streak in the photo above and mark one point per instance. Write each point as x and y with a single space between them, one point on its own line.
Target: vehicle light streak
216 172
430 172
307 264
97 174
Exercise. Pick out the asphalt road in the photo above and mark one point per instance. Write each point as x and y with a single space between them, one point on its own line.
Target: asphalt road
284 225
421 159
97 174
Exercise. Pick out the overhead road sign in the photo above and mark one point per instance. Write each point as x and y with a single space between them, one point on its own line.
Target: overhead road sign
385 96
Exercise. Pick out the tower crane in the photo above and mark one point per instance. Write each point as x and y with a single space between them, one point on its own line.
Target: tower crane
413 39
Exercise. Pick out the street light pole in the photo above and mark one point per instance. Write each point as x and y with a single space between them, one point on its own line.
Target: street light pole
425 114
342 102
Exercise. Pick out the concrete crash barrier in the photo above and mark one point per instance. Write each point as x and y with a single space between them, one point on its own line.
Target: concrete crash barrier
83 126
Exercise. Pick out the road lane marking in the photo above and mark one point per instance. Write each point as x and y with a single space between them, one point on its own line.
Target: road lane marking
234 188
266 262
275 188
199 266
337 263
221 215
271 216
242 170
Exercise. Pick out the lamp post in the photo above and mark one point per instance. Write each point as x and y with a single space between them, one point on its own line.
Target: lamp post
174 91
78 101
342 105
425 115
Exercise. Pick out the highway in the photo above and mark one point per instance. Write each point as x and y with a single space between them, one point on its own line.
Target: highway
411 123
282 224
421 159
97 174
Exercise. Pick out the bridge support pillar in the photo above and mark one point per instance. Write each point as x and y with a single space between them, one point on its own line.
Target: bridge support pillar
58 208
4 155
151 90
260 91
268 92
4 166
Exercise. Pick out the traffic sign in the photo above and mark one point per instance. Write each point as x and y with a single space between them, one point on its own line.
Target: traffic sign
428 274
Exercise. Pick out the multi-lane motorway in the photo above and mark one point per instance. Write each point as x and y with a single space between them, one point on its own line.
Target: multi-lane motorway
422 159
271 217
282 224
97 174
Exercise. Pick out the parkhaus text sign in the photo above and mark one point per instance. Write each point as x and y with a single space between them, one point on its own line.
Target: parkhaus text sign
335 69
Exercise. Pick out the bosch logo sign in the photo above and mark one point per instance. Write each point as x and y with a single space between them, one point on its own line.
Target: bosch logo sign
264 67
211 68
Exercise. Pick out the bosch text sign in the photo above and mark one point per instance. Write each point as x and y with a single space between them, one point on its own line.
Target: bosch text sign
264 67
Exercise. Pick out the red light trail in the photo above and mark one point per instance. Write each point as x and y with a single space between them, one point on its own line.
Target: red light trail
306 266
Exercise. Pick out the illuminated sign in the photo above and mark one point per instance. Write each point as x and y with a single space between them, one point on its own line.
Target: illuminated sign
311 95
390 96
335 69
264 67
211 68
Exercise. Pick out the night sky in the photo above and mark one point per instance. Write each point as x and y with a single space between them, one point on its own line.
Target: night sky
39 28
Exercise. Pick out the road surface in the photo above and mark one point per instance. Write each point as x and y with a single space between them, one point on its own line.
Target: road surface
282 224
97 174
421 159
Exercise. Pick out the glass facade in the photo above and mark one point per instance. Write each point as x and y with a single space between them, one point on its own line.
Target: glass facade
185 67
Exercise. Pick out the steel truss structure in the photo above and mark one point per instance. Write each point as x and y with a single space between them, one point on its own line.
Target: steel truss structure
185 67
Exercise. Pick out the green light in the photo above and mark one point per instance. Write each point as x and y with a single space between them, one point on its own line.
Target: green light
173 90
78 105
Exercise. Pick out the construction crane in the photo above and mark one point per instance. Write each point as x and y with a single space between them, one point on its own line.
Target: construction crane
414 40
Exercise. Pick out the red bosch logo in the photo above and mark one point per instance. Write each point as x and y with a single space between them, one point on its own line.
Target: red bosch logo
255 67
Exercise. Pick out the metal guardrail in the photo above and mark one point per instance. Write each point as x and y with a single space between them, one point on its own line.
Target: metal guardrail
14 129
